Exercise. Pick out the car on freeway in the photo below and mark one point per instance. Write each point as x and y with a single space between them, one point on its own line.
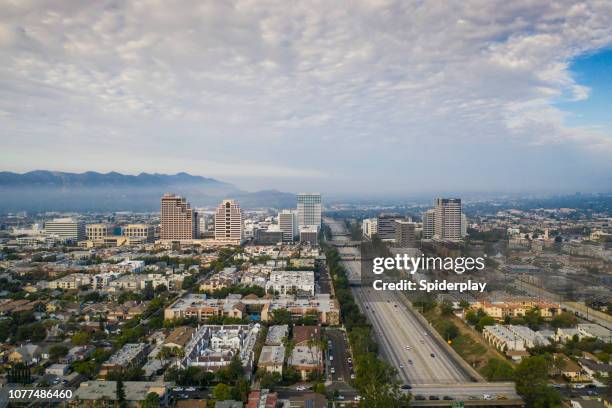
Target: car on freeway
487 397
300 388
407 347
420 398
432 355
401 366
447 398
410 362
406 387
433 398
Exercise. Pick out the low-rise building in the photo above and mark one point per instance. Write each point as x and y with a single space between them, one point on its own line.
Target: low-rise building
271 359
131 354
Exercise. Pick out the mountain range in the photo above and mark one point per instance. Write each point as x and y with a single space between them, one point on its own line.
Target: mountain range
43 190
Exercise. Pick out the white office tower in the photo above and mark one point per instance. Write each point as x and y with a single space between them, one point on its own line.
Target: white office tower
429 224
369 227
229 223
309 209
464 225
448 219
288 223
66 229
405 235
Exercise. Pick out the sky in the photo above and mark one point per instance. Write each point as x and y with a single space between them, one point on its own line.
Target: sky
364 97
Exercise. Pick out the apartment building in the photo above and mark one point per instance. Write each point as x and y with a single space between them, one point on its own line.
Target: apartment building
291 282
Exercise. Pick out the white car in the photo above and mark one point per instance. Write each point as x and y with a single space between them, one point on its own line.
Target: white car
401 366
300 388
407 347
487 397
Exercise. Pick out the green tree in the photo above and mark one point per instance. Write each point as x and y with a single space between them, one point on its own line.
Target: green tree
564 319
222 392
376 381
120 393
484 321
151 401
446 308
531 377
81 338
57 351
497 369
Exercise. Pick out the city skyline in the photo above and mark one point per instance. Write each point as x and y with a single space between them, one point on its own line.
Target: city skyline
369 100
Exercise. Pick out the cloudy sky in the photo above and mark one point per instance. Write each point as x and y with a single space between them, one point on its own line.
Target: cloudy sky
362 97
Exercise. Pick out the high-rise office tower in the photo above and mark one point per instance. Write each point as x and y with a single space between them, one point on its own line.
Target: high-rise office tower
309 209
405 235
66 228
288 223
178 220
98 231
464 225
229 222
448 218
386 225
429 224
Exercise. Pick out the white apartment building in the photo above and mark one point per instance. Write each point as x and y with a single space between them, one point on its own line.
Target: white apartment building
229 223
66 229
286 282
72 281
369 227
309 209
288 224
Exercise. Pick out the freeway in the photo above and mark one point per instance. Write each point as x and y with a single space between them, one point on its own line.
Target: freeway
406 343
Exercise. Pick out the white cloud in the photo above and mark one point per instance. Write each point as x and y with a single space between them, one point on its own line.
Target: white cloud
317 88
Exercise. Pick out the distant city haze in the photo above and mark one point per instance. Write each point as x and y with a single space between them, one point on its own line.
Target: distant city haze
374 99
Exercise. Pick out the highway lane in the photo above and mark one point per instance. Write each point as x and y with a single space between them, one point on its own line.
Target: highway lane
396 327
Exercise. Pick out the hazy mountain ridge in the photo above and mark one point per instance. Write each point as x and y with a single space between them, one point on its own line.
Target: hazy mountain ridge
43 190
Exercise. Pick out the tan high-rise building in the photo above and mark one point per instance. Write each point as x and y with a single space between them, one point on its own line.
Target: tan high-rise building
448 218
229 222
96 232
178 220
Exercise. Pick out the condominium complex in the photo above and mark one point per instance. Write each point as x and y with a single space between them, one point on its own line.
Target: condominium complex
229 222
288 223
66 228
178 220
309 209
405 235
447 223
98 231
143 232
